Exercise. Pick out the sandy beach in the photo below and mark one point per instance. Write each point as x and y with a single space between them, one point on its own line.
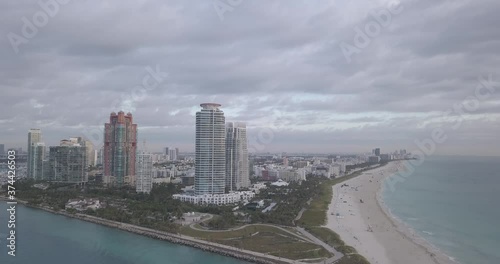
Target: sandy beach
364 222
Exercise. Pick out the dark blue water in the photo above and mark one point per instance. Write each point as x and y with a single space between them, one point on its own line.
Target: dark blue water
453 203
44 238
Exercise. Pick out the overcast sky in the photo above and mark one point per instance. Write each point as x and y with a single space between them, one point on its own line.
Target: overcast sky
279 66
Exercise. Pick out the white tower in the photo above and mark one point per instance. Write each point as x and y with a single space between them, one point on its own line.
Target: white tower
210 168
144 172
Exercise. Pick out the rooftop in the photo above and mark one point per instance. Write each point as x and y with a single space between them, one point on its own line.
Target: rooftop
210 105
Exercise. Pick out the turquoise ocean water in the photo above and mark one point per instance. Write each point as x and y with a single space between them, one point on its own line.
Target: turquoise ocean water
453 202
44 238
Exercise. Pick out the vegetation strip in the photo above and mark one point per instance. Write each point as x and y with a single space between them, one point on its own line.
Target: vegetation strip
314 218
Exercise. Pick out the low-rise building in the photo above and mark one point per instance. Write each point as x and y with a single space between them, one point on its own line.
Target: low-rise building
291 175
162 180
385 157
257 187
301 164
216 199
374 159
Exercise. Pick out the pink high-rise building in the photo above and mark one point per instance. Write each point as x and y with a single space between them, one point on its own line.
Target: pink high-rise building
120 147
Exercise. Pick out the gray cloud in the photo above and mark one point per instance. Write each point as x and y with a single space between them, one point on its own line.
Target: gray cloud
267 62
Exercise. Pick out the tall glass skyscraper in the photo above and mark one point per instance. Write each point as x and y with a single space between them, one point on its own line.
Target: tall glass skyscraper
38 157
236 156
210 168
120 146
67 163
35 154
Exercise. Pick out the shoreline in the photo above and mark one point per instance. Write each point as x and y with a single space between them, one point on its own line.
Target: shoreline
366 223
240 254
406 230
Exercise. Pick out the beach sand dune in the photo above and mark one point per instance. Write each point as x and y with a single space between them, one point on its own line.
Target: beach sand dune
358 215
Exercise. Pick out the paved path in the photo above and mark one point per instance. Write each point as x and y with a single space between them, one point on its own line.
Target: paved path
306 239
302 211
336 254
299 215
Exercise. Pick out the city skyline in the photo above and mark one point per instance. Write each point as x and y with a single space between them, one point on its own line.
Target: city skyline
175 151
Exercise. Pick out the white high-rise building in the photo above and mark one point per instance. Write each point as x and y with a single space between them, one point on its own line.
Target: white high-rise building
237 176
210 161
34 137
144 172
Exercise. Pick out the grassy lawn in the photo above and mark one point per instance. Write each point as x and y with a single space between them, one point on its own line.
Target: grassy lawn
247 231
263 239
331 238
293 230
315 215
353 259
